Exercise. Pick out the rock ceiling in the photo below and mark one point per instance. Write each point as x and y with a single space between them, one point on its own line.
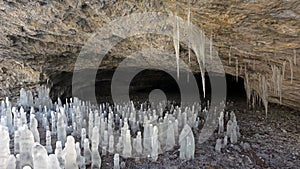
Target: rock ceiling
254 39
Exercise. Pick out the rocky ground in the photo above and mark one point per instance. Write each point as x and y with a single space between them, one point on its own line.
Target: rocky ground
272 142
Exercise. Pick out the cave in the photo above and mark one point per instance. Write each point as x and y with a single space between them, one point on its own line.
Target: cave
149 84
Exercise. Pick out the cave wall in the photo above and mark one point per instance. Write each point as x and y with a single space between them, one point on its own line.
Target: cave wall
254 39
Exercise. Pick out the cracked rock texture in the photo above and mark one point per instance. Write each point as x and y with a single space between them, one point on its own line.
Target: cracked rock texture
40 40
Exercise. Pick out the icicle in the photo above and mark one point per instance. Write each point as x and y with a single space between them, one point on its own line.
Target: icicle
264 97
211 46
229 55
236 70
295 57
292 70
189 30
283 69
176 43
189 37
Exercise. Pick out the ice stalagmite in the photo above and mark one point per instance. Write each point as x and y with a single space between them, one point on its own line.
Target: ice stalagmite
26 143
33 128
87 152
69 153
40 156
83 136
111 144
139 147
96 159
79 159
218 145
127 145
176 42
154 144
61 129
11 163
59 155
48 142
53 162
146 138
116 161
187 143
4 146
221 123
17 142
170 142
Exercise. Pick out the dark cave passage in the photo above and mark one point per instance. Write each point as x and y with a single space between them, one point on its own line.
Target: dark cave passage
143 84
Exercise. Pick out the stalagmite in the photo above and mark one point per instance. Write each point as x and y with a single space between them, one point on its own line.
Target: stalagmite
48 142
218 145
221 123
26 143
33 128
40 156
11 162
59 155
170 142
53 162
127 145
116 161
187 143
87 152
154 144
139 147
4 146
111 144
69 153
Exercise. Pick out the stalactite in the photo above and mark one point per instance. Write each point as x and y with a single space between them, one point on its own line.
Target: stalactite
292 69
295 57
277 81
176 43
264 92
189 36
283 69
229 55
236 70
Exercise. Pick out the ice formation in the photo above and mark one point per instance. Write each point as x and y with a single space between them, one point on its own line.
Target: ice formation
40 156
116 161
176 43
4 146
187 143
116 129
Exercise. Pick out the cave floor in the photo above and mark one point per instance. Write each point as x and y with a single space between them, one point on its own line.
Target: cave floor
272 142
